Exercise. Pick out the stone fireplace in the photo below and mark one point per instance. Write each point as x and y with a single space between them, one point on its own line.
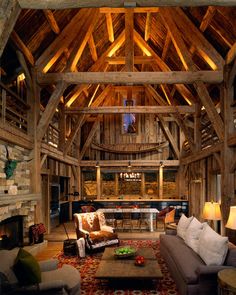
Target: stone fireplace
11 232
17 208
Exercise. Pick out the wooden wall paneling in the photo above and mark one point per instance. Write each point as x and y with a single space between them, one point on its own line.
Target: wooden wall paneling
228 153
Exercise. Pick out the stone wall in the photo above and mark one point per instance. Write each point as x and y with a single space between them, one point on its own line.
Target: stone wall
21 175
23 202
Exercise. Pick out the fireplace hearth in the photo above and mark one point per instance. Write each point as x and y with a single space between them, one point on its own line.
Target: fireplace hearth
11 232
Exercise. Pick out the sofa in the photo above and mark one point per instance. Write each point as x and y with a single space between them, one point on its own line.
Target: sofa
93 228
193 275
53 280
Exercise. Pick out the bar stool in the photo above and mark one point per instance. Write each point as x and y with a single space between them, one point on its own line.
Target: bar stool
126 219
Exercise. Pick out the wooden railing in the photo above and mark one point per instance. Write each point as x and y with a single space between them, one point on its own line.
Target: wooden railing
13 109
52 138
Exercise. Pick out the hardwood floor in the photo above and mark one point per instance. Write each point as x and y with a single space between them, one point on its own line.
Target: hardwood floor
58 235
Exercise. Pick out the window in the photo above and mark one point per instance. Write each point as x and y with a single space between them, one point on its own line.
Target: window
129 120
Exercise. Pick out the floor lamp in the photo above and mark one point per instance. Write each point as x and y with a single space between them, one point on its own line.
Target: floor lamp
211 211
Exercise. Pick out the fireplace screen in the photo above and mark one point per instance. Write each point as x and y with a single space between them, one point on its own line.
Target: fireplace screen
11 232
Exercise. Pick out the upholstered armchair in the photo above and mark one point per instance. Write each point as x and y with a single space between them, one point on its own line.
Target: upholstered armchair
92 227
54 280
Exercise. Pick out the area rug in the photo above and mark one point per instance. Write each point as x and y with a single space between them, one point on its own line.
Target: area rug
91 286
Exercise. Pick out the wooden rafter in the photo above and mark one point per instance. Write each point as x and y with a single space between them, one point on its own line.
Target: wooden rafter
22 47
184 91
63 40
109 27
82 38
52 21
148 26
50 110
166 46
207 18
195 37
92 48
97 66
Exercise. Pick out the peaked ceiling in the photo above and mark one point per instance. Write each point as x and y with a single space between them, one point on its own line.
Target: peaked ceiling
168 42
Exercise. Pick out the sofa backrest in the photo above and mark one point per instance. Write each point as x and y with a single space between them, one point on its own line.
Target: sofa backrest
230 259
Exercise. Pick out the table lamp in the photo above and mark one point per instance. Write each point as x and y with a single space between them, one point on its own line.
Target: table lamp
231 223
211 211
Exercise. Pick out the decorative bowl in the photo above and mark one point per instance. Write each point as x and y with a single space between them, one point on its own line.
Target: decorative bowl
125 251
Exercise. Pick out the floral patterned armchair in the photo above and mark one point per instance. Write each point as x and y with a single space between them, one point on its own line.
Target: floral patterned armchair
92 227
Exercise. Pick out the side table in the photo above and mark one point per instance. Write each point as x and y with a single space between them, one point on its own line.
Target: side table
227 281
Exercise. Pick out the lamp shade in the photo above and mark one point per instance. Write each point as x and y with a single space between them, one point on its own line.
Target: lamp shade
231 223
211 211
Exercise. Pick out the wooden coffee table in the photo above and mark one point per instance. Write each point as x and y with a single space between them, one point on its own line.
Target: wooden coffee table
112 268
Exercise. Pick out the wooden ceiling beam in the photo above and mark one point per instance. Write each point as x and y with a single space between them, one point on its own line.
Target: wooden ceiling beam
230 57
195 37
135 9
148 26
81 118
173 77
109 27
62 41
9 12
129 40
183 90
131 110
82 38
50 110
51 21
168 135
166 46
168 17
97 65
120 60
92 48
22 47
69 4
211 10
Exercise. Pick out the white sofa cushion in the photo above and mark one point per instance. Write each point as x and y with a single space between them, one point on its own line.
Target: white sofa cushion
192 234
212 246
183 224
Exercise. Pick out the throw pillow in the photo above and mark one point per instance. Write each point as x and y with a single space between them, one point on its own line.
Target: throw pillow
183 224
212 246
192 234
26 268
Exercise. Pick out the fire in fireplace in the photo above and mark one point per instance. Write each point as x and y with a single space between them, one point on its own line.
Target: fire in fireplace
11 232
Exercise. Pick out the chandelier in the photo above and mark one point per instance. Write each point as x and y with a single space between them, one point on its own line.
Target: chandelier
130 176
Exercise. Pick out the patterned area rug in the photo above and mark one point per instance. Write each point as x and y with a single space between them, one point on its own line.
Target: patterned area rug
88 266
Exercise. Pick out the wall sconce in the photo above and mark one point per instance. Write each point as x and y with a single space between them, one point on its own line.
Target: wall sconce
97 164
211 211
162 164
129 165
231 223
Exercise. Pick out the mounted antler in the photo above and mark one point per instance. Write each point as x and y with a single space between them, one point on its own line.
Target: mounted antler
10 164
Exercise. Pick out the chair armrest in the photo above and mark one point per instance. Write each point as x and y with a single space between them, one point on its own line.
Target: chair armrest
107 228
48 265
84 232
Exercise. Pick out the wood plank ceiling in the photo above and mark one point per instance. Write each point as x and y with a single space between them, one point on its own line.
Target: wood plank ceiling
83 56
